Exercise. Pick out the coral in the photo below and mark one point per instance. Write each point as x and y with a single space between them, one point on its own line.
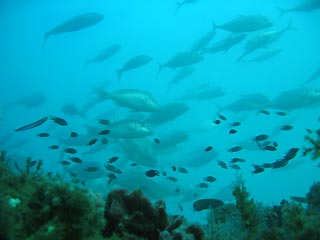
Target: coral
313 197
314 150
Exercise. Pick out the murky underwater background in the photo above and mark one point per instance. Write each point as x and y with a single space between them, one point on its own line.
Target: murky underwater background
39 81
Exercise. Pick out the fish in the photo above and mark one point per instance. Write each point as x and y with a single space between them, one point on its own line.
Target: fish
43 134
92 142
315 75
59 121
180 4
217 121
104 122
235 166
54 147
112 168
133 63
111 177
152 173
210 179
74 24
113 159
280 163
235 149
30 100
235 124
222 117
76 159
172 179
222 164
74 134
232 131
70 150
181 59
286 127
246 23
265 55
203 185
181 74
225 44
265 112
72 110
182 170
270 148
235 160
32 125
92 169
290 154
306 6
133 99
104 132
280 113
129 129
105 54
257 168
263 40
260 137
156 140
207 203
207 149
167 113
66 163
202 42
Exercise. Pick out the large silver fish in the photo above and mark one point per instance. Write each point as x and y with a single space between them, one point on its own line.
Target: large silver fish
185 2
134 63
306 6
129 129
265 55
246 23
105 54
225 44
75 24
134 99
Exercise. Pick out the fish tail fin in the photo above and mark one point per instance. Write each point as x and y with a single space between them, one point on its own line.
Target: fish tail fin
46 36
119 73
161 66
282 11
179 5
101 94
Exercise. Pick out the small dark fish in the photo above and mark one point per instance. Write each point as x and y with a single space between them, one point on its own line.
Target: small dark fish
223 118
299 199
286 127
65 163
207 149
234 160
92 169
104 132
113 159
133 164
267 165
32 125
209 179
173 179
152 173
92 142
275 144
43 135
54 147
204 204
260 137
76 160
217 121
235 149
203 185
265 112
113 169
70 150
270 148
258 168
235 166
182 170
280 163
174 168
233 131
291 154
104 141
281 113
156 140
104 122
74 134
222 164
111 177
32 163
235 124
164 173
59 121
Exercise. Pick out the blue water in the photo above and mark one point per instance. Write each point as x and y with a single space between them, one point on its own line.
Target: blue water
151 27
